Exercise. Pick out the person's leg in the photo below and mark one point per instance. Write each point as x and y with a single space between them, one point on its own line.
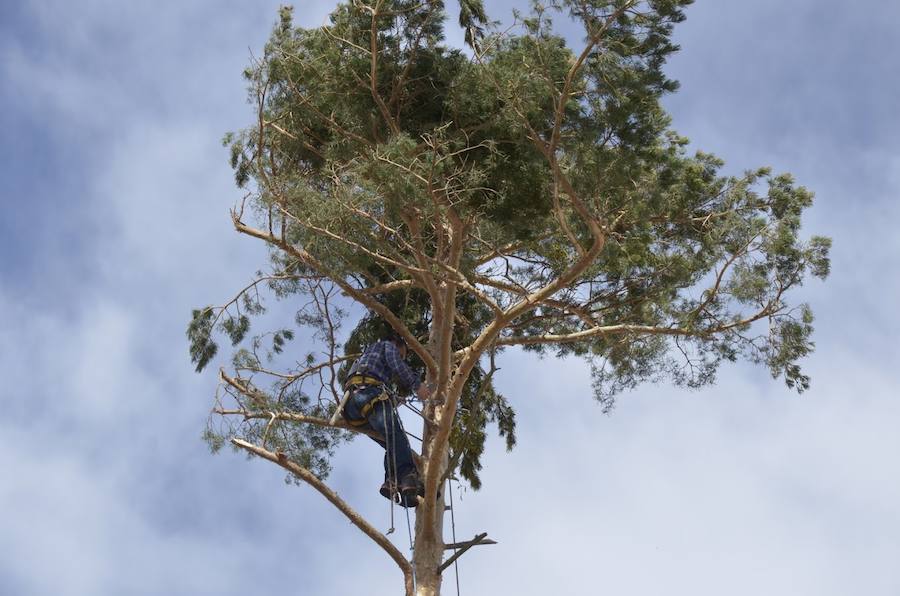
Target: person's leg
398 460
358 399
400 474
382 425
399 465
353 411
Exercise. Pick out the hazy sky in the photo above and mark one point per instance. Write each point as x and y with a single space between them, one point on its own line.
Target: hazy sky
115 224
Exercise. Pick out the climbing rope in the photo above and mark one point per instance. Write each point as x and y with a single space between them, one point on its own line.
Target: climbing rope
414 409
409 532
392 528
388 471
453 531
420 413
395 414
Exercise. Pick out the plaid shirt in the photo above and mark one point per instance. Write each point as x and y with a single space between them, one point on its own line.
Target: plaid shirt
382 360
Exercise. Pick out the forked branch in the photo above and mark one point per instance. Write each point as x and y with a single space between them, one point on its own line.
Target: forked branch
368 301
477 540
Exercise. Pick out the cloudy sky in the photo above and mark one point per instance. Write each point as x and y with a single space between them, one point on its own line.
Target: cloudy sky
115 223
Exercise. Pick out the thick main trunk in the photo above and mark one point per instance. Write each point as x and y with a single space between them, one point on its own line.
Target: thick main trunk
429 544
429 541
426 560
428 550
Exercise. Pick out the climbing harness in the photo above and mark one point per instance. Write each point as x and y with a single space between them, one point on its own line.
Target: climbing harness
357 382
352 382
367 409
362 380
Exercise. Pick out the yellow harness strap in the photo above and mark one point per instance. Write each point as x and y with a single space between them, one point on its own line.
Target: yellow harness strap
361 380
369 405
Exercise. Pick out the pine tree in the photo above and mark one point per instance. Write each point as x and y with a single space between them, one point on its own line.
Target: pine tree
515 193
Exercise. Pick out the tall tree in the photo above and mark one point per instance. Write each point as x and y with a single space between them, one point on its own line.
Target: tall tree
519 193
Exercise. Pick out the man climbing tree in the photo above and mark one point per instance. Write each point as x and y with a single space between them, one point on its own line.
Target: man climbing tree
367 404
519 193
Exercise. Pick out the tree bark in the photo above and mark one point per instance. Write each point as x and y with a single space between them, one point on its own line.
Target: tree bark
426 560
429 548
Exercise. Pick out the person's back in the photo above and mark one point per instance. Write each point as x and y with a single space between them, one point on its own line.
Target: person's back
383 361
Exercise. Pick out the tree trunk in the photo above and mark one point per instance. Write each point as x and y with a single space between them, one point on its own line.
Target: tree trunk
426 560
429 551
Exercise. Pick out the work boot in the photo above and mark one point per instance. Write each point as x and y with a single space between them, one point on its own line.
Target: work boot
388 490
410 490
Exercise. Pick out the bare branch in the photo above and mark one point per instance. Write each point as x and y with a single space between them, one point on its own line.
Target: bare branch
472 354
455 545
295 417
355 245
477 540
355 518
368 301
301 374
373 72
768 310
393 286
251 286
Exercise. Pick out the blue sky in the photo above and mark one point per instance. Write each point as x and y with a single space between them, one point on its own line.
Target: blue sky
115 224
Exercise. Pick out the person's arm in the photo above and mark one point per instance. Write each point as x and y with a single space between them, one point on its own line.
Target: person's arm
398 368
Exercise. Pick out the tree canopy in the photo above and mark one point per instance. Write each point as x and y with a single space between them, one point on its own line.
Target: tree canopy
517 192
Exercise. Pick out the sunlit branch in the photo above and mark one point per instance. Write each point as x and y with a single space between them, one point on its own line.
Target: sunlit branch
393 286
770 309
594 39
366 300
373 71
326 233
355 518
303 373
293 417
473 353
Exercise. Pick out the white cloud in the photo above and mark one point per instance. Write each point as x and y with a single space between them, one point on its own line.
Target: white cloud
741 489
70 530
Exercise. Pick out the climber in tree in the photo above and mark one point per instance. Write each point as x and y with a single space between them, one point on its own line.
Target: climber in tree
369 406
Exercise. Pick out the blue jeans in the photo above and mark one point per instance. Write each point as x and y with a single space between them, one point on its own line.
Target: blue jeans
383 419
